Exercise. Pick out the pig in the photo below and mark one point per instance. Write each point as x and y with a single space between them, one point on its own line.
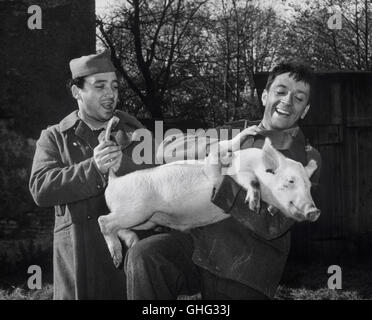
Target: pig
177 194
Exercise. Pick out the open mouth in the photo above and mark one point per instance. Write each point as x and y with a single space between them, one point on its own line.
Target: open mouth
282 112
297 213
108 105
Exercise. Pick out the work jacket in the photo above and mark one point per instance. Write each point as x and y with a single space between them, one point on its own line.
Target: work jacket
247 247
251 248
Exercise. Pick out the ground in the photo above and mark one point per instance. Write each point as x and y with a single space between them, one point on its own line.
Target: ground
300 282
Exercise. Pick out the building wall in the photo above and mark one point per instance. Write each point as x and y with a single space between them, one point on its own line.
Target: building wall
339 125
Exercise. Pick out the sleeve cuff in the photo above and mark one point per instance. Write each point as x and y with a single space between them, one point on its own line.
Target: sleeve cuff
102 178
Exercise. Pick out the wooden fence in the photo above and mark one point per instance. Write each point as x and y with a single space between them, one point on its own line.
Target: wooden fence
339 125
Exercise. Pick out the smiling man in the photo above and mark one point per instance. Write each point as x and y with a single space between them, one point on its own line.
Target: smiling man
69 172
243 256
286 99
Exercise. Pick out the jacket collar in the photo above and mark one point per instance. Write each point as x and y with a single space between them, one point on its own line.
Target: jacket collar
126 122
69 121
283 139
123 135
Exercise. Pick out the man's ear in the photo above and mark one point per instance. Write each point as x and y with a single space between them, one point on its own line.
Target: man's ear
264 97
304 113
75 92
271 158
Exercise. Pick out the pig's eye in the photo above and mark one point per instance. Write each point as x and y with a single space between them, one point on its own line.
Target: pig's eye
270 171
291 181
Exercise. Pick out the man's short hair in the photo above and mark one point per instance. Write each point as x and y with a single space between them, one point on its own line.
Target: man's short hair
298 70
79 82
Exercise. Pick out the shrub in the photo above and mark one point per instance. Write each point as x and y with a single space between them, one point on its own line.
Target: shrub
16 153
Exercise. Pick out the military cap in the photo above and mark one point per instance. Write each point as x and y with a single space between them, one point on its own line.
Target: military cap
94 63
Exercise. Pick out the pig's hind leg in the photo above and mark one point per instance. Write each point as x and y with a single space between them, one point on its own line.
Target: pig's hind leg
114 226
115 221
115 248
129 237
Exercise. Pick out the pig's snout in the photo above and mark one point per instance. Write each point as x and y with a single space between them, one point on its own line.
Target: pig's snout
309 212
312 215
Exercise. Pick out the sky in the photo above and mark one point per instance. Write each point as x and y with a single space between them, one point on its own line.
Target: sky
280 6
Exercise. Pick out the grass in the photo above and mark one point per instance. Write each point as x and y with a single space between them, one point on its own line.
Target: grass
19 293
299 282
304 282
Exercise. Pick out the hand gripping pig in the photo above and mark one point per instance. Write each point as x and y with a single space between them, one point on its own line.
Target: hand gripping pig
177 195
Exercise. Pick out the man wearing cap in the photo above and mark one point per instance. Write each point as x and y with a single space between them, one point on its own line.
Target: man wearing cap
69 172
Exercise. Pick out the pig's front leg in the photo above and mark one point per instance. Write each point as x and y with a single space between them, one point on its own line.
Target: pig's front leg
112 236
249 181
272 210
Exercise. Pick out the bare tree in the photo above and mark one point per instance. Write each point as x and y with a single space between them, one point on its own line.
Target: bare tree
146 39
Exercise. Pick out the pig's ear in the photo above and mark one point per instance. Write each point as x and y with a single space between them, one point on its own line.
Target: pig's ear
271 158
311 167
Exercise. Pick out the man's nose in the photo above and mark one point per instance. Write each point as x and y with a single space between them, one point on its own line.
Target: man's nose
287 99
109 92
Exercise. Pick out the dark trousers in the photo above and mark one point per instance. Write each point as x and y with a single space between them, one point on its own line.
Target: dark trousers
161 267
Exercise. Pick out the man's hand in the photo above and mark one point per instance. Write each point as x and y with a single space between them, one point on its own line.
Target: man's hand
107 155
234 144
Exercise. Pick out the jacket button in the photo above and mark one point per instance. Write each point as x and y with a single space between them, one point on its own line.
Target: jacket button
89 217
99 186
74 144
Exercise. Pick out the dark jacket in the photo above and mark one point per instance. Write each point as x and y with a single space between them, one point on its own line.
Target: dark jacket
65 176
248 247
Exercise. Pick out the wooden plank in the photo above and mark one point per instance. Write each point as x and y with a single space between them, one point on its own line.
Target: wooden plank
359 122
364 179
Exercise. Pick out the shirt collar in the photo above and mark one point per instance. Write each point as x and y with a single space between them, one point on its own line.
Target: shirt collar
292 131
73 119
102 126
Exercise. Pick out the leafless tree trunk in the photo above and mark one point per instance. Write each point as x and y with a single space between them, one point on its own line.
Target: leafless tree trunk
366 51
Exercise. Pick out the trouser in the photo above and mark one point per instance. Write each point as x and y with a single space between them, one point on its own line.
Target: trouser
161 267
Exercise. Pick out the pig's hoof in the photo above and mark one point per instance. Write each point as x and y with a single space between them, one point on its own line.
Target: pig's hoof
116 254
272 210
253 198
254 205
117 259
